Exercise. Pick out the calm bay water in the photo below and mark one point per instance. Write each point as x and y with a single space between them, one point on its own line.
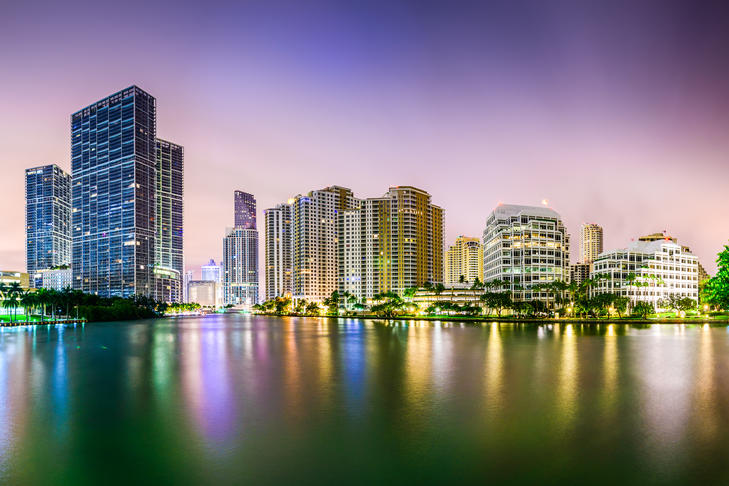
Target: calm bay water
261 400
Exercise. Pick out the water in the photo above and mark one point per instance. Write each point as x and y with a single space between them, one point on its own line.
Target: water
262 400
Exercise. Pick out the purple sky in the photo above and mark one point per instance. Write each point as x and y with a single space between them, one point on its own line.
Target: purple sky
617 114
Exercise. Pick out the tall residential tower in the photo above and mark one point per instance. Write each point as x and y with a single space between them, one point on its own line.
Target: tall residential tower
47 220
590 242
240 254
278 248
464 261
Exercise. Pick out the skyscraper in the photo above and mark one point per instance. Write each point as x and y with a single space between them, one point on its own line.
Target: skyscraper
240 254
113 159
525 246
464 261
47 220
390 243
590 242
416 244
315 251
278 250
212 272
169 242
245 210
240 266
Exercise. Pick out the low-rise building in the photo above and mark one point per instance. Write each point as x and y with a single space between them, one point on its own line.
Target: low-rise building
203 292
648 271
426 297
57 279
8 277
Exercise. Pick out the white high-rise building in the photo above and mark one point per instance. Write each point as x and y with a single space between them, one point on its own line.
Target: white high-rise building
315 240
279 251
212 272
590 242
186 279
524 246
648 271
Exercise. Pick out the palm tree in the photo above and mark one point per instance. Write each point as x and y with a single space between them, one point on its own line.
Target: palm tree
11 302
13 293
41 300
27 300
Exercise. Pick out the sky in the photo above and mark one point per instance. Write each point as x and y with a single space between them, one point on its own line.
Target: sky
616 112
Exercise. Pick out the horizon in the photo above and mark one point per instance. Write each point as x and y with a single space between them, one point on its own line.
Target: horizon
609 119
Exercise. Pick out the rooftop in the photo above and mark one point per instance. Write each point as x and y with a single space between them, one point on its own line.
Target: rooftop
504 211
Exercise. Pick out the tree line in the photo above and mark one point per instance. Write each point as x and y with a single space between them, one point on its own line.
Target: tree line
73 304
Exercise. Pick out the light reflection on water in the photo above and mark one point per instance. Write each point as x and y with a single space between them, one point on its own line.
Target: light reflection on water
407 401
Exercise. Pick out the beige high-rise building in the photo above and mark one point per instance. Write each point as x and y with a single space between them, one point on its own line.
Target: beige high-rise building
590 242
390 243
464 261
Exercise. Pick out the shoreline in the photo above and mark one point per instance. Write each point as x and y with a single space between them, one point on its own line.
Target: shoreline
535 320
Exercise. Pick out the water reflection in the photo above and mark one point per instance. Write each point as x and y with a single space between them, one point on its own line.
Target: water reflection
230 395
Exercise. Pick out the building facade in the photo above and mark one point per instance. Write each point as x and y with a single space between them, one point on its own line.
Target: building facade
390 244
9 277
464 262
113 160
203 292
525 246
245 210
278 251
57 279
648 271
579 272
169 239
47 220
212 272
186 279
315 241
591 243
240 267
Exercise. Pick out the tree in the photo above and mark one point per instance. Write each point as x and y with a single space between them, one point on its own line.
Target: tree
462 279
643 309
389 304
496 300
282 305
438 288
11 302
27 300
332 303
717 288
620 303
313 308
300 307
477 284
410 292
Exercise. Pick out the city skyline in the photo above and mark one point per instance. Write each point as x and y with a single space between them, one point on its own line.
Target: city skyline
551 120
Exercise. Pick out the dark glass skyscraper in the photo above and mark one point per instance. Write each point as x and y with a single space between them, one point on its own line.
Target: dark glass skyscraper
113 159
47 220
170 160
245 210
